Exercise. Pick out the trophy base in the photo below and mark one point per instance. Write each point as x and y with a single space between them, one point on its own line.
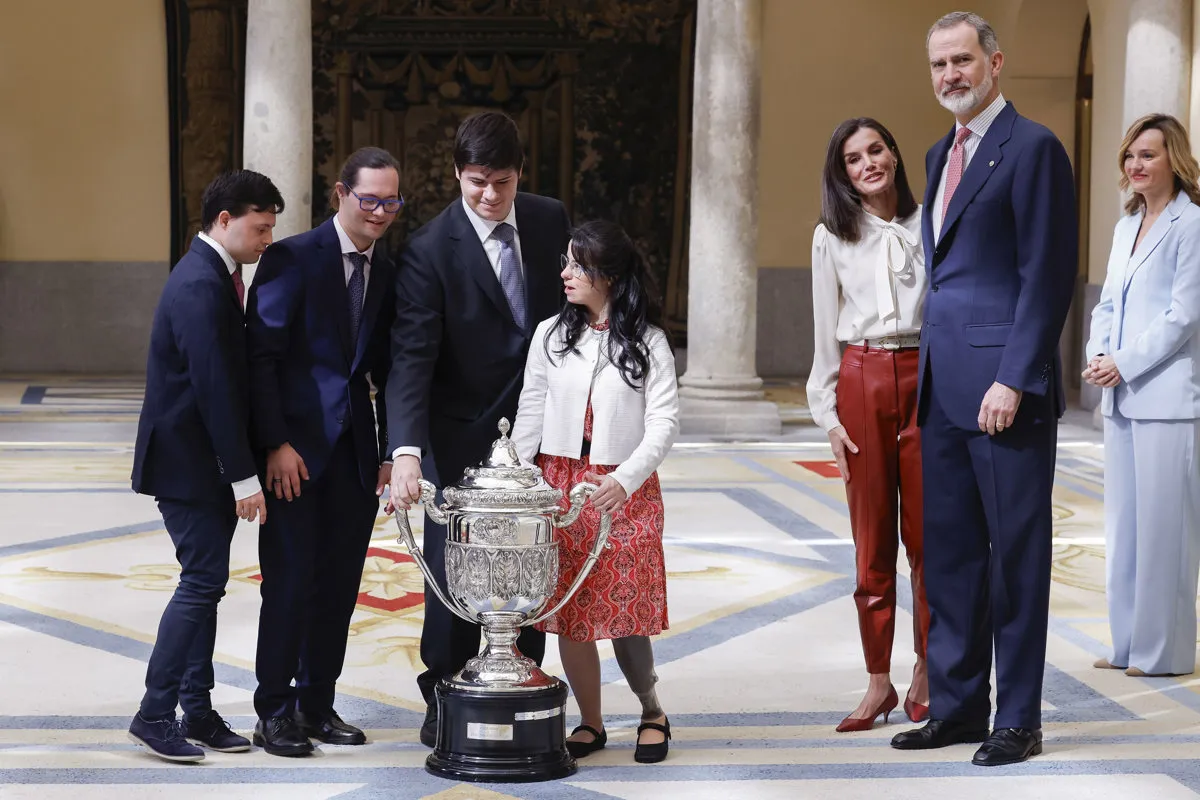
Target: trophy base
505 737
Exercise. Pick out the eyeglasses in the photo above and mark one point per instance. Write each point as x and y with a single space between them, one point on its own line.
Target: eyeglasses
368 203
577 269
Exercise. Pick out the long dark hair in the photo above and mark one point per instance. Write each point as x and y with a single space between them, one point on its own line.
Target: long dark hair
605 252
841 208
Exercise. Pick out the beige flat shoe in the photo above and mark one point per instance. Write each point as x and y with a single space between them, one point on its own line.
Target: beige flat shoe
1134 672
1102 663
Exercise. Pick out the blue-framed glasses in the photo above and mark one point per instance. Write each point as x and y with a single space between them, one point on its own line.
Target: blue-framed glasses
368 203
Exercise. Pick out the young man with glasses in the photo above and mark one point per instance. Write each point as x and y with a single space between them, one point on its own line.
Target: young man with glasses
474 283
317 329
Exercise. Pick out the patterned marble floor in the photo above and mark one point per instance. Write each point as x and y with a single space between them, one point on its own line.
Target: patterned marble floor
760 663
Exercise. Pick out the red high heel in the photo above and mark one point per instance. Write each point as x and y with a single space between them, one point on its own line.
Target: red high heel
866 723
915 711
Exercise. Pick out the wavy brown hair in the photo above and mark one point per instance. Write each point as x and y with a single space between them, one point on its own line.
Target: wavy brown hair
1179 155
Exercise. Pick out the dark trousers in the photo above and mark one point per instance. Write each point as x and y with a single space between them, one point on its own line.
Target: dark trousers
877 405
311 552
987 565
447 640
180 670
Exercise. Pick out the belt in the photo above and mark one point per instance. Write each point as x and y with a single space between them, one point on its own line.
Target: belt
902 342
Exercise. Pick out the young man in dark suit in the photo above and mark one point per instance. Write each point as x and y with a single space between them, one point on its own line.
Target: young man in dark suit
1001 251
193 456
317 329
473 284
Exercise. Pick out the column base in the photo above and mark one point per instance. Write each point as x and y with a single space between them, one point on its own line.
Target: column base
728 417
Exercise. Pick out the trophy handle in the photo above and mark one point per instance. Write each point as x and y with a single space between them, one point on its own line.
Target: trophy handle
578 495
428 491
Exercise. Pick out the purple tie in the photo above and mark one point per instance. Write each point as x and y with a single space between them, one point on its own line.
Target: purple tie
510 272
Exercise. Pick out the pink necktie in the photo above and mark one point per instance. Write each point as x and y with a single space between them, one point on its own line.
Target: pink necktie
955 172
239 285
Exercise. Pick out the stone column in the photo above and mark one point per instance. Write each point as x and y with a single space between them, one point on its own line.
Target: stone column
279 116
721 393
1158 59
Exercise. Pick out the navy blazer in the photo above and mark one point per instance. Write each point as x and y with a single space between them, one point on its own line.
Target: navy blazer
308 383
1002 275
192 437
458 357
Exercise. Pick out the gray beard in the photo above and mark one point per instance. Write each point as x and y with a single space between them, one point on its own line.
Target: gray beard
963 104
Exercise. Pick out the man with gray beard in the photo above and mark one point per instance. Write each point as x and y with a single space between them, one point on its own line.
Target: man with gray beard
1001 251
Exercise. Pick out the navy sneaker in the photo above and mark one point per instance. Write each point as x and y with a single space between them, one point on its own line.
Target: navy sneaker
214 733
164 738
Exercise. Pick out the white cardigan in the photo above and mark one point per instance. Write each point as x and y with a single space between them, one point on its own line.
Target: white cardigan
632 428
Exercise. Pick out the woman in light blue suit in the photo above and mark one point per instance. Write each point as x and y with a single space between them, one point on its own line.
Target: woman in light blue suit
1144 352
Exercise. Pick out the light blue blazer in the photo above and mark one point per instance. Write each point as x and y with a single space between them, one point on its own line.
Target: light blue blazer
1148 317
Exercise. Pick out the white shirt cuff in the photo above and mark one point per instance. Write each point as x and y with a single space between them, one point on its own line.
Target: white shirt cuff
246 488
406 451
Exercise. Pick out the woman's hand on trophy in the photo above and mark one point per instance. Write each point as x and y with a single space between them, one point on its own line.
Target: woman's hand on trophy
405 488
611 495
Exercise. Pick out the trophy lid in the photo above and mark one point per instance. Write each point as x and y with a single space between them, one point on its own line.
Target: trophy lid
502 477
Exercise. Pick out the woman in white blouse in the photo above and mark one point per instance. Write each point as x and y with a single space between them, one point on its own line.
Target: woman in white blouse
868 278
599 405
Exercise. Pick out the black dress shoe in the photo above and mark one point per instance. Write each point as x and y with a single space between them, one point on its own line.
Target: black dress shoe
940 733
281 736
1008 746
329 728
429 726
580 749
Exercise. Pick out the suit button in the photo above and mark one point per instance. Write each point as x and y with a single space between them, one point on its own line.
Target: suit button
934 287
340 420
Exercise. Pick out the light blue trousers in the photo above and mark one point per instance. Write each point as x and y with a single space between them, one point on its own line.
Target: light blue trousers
1152 528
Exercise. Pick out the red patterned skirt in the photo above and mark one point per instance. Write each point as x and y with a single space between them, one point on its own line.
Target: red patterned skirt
625 594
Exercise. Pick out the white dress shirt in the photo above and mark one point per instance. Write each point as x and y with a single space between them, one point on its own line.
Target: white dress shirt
348 247
491 247
869 289
632 428
979 128
247 487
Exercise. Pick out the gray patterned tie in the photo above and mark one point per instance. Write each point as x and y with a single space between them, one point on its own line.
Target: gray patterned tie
357 288
510 272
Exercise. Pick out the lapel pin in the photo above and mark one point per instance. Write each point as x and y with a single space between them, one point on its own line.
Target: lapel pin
991 163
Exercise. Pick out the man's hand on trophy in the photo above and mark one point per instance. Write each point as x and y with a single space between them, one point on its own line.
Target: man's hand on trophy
611 495
406 471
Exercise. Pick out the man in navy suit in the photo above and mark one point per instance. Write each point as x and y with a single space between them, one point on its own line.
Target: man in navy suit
317 329
1001 249
193 456
473 284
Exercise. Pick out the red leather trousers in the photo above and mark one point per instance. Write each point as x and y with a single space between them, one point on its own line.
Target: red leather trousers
877 404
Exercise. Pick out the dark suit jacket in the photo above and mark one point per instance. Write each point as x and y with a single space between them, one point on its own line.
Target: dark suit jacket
458 358
192 438
308 384
1002 275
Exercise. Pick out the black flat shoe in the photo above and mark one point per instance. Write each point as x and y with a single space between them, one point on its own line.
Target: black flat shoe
652 753
1008 746
329 729
940 733
581 749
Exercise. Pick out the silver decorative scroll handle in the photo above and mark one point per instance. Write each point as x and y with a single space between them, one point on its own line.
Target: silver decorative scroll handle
579 494
426 499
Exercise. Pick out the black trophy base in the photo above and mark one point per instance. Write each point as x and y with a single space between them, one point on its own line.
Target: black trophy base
501 737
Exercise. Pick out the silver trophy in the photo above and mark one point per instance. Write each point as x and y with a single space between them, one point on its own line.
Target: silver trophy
501 718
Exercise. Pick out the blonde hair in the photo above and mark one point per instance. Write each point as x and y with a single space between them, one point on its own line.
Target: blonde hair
1179 154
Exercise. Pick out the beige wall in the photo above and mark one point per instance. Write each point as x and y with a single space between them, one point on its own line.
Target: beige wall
84 148
823 63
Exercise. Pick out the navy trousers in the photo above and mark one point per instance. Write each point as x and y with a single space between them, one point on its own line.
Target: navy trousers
180 672
987 510
311 553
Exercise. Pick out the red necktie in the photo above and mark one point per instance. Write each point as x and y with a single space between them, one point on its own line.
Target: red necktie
239 286
955 172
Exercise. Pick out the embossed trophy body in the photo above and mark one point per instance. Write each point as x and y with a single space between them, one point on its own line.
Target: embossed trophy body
501 718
